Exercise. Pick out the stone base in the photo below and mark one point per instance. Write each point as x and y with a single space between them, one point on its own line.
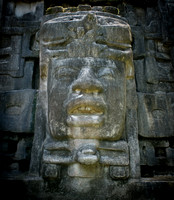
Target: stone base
36 188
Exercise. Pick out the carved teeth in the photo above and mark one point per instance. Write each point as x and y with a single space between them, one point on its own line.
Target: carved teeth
81 108
86 110
77 91
95 93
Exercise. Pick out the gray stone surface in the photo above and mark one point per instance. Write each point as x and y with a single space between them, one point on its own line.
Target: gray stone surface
11 63
88 99
71 159
155 112
119 172
7 82
156 153
16 110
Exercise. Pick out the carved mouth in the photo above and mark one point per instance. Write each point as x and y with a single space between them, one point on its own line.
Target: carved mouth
86 113
86 106
86 109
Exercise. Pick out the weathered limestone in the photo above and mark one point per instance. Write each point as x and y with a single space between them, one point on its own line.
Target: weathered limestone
153 61
18 83
88 102
88 60
16 110
18 55
156 115
10 54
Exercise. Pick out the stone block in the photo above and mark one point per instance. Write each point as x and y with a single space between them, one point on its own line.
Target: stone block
170 156
132 101
132 18
8 82
84 7
29 43
85 171
156 116
151 70
153 75
17 110
21 150
117 172
161 143
132 137
152 28
155 153
28 10
139 71
156 71
111 9
11 62
97 8
51 171
147 153
138 43
114 153
57 156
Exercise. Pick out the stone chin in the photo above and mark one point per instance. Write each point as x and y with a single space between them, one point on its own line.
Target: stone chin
85 121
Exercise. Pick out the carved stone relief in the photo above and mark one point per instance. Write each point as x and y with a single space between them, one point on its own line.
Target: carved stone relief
16 110
92 119
86 72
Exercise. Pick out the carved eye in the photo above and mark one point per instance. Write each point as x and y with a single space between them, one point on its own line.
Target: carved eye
106 73
65 74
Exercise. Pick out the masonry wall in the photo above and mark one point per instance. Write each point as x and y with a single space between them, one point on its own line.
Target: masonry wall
19 79
153 49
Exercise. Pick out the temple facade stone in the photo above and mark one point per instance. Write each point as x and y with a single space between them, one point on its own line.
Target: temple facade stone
87 62
86 99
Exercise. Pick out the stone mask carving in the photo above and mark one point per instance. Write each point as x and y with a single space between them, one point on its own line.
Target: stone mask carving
85 60
91 94
86 83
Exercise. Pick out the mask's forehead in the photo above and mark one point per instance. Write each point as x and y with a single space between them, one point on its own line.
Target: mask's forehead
85 35
109 28
75 62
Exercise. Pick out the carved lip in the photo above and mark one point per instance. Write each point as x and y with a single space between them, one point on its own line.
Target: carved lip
86 107
86 112
86 120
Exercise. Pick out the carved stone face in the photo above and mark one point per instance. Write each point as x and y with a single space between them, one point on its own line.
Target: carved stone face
87 58
86 94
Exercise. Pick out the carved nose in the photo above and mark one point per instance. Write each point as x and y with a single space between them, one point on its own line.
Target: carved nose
87 82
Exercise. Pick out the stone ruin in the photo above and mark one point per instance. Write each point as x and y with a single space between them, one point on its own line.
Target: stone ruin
86 59
97 90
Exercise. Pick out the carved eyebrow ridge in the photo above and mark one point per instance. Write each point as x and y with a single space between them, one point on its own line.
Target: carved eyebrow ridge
77 64
55 42
121 46
70 68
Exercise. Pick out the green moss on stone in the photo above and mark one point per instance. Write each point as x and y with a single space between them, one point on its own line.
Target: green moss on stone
55 9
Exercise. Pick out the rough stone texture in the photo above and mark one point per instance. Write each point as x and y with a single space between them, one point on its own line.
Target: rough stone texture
153 61
16 110
19 74
156 115
86 89
153 53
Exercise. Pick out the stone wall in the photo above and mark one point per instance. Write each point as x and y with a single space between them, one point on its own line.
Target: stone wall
19 80
153 48
153 53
